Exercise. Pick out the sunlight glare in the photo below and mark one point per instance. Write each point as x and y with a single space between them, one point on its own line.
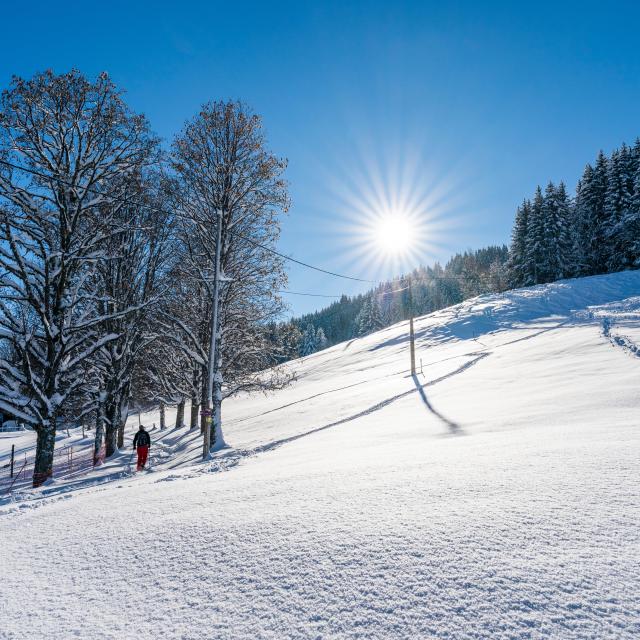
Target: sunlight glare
394 233
394 208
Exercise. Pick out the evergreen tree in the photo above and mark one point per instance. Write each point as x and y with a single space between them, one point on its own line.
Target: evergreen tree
375 317
551 265
620 201
362 319
535 246
595 242
580 220
613 204
321 339
369 319
498 276
589 216
633 220
567 240
518 253
309 345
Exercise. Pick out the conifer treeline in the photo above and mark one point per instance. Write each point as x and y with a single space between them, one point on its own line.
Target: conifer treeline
465 275
598 231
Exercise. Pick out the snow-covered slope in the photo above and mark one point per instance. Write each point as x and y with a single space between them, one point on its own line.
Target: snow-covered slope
494 495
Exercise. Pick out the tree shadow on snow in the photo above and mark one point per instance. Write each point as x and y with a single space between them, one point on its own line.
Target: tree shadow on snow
473 328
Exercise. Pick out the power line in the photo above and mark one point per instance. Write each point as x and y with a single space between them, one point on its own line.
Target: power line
304 264
324 295
239 235
314 295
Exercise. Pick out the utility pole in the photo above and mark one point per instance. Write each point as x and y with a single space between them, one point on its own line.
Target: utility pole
206 411
412 337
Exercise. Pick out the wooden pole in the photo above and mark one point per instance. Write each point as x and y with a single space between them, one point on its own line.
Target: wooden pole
13 453
163 422
412 337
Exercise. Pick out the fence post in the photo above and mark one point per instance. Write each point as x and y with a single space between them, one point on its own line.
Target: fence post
70 459
83 430
13 453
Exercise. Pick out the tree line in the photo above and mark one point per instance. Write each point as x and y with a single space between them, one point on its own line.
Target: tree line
107 246
597 231
434 287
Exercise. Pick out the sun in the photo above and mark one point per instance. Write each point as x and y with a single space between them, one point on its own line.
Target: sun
394 233
394 207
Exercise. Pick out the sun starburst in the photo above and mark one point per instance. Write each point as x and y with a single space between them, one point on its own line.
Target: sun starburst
392 215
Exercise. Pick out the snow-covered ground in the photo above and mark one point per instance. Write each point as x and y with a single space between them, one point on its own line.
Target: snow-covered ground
495 495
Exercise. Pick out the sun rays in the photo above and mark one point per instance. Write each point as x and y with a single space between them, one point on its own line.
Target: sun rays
392 213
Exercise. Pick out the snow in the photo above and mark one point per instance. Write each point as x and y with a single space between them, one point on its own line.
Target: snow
496 496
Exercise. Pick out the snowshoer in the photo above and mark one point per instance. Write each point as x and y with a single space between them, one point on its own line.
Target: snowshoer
142 442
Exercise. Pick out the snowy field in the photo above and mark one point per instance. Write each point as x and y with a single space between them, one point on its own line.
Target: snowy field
495 495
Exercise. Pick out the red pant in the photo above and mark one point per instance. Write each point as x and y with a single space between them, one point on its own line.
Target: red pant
143 452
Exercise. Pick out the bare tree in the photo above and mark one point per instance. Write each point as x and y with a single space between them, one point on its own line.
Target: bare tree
182 326
222 165
57 225
130 285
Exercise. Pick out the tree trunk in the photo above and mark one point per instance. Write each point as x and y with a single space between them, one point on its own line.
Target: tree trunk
216 417
162 417
195 408
119 427
97 443
180 414
45 443
203 404
120 434
217 438
111 438
123 415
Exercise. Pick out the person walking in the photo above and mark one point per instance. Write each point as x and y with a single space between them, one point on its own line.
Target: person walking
142 442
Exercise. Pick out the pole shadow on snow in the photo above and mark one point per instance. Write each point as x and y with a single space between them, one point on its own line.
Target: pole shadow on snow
231 458
454 427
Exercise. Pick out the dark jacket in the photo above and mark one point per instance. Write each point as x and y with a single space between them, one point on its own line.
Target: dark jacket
142 439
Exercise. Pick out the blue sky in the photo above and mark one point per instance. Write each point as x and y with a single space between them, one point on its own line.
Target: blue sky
461 107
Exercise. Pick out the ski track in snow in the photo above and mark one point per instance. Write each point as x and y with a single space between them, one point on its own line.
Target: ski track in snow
623 342
624 314
384 528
